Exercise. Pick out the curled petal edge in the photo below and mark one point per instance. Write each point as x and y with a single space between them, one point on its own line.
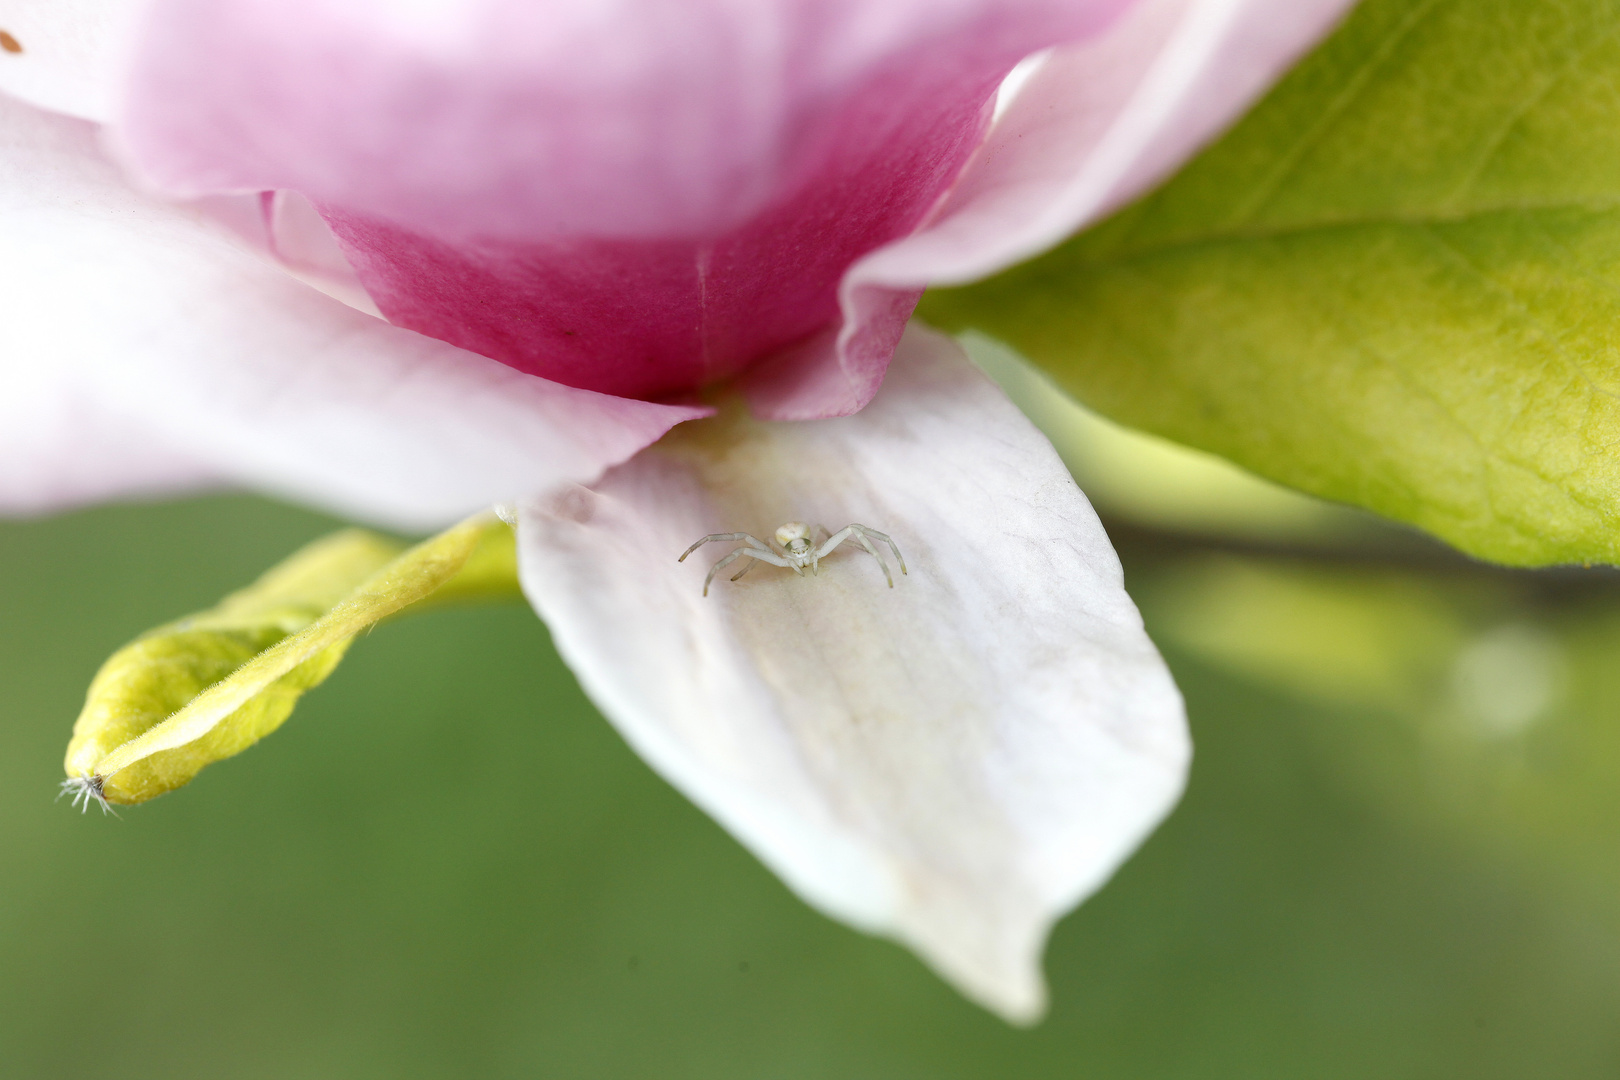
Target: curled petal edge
1091 127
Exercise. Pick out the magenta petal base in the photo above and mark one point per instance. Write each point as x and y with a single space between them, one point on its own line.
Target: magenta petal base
655 318
638 198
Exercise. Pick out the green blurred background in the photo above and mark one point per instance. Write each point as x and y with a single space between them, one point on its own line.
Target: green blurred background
1397 858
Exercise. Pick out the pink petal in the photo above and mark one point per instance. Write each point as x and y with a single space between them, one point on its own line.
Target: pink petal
954 762
635 197
533 120
1096 125
144 350
285 227
69 53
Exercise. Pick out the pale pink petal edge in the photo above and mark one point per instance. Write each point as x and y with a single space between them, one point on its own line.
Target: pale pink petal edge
137 331
1094 126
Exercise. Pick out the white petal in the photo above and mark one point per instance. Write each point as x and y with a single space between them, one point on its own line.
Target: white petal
70 53
953 762
1094 126
140 321
62 445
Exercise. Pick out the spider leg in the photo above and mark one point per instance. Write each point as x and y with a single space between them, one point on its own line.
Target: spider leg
885 538
867 544
784 557
747 566
831 542
725 561
719 537
815 556
859 533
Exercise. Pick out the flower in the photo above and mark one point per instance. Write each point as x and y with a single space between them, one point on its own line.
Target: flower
575 216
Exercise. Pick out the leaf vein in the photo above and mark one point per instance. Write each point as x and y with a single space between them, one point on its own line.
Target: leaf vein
1516 116
1289 161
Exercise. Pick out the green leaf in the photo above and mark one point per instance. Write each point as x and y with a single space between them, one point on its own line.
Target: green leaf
208 686
1396 283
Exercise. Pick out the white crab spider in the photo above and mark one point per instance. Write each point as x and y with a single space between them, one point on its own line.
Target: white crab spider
798 549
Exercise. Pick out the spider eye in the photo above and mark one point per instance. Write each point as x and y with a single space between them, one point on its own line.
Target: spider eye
793 530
